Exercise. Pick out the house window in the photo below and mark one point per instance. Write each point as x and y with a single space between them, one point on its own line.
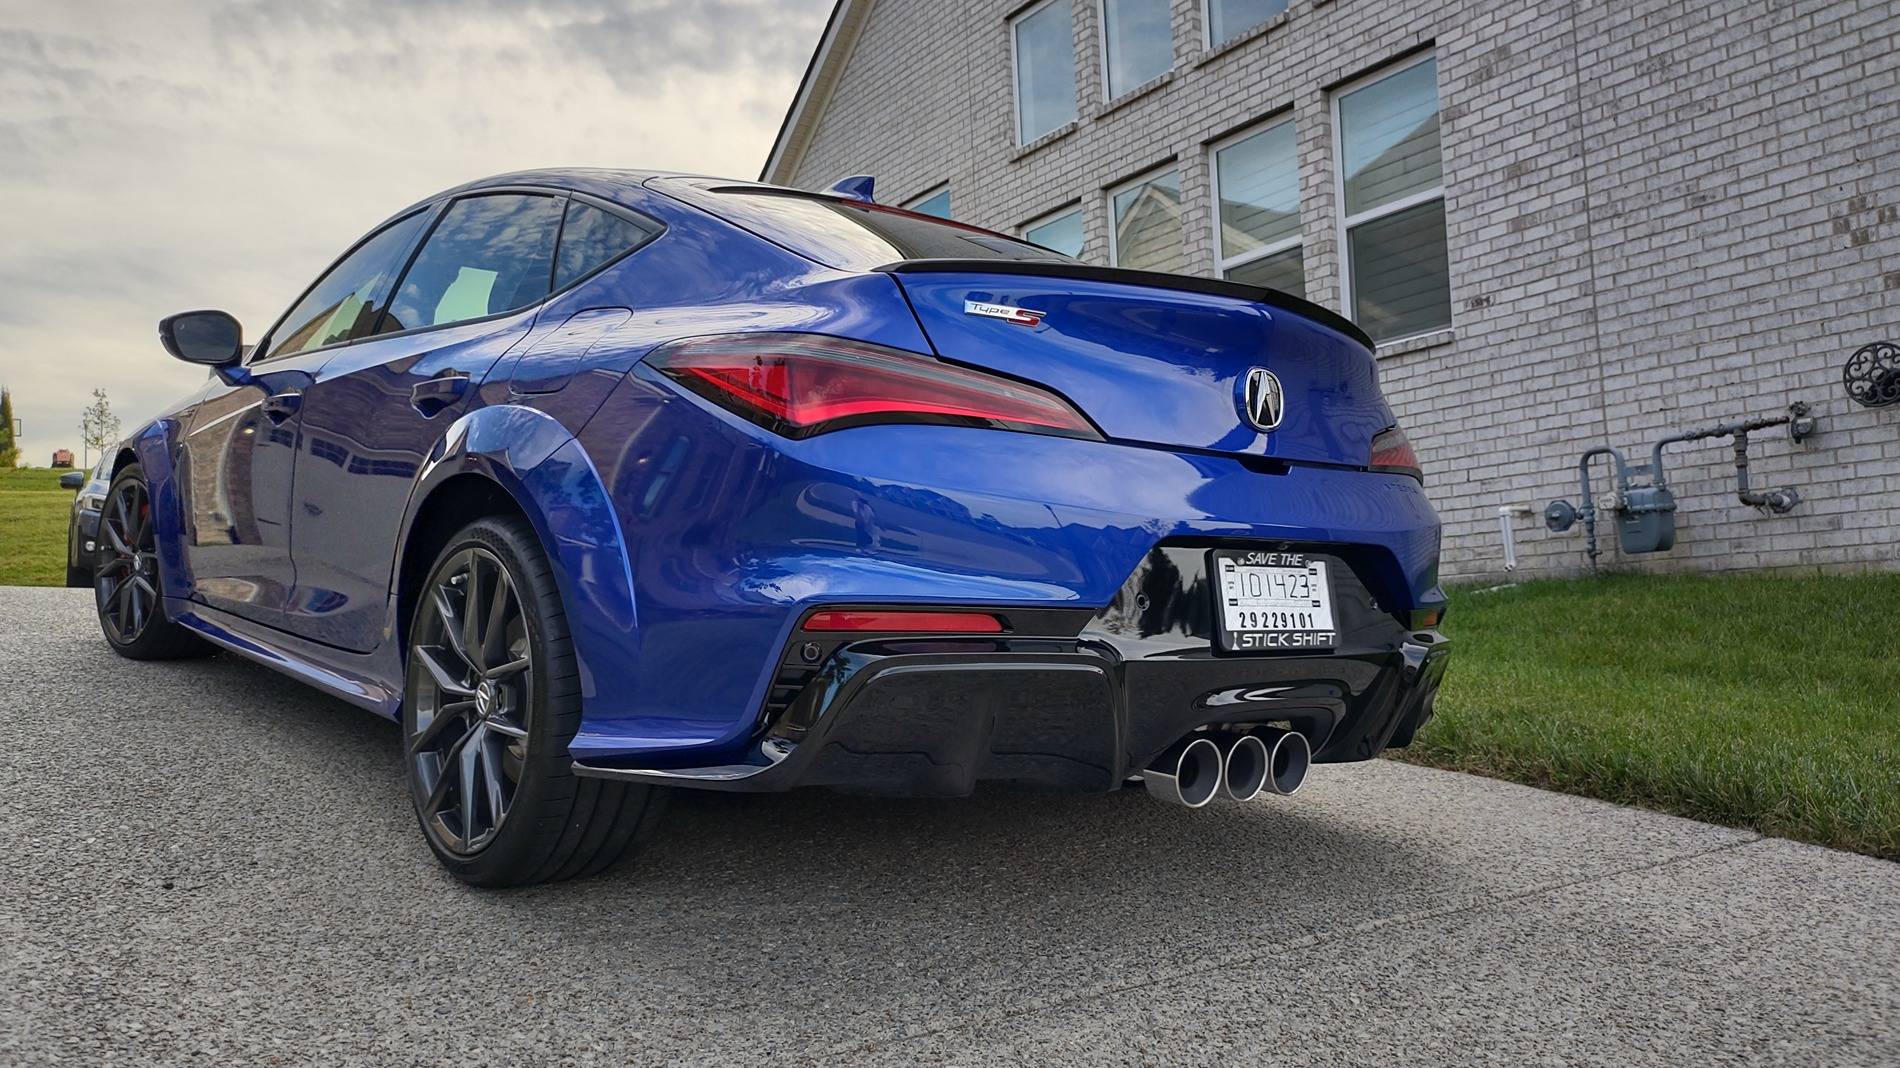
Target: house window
1137 42
1228 19
1043 38
1145 223
1061 231
1392 196
1257 229
937 203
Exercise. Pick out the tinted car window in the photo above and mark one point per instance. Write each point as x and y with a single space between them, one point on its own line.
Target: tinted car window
490 254
345 302
855 236
591 237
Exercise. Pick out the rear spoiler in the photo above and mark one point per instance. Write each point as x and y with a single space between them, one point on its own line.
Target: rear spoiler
1219 287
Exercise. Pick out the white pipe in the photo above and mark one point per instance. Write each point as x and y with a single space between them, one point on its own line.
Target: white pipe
1505 515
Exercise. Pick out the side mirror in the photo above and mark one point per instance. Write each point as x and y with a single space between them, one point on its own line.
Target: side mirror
212 338
72 480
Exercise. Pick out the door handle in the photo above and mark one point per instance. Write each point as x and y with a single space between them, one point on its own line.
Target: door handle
281 406
430 397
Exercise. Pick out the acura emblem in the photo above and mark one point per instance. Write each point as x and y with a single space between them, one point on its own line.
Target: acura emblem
1266 401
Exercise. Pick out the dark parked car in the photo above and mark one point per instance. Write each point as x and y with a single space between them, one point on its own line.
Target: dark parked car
82 532
605 483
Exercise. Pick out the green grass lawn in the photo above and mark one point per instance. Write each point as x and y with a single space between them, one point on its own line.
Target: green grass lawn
33 516
1755 701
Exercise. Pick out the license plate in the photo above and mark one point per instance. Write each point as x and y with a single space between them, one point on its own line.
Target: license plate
1272 602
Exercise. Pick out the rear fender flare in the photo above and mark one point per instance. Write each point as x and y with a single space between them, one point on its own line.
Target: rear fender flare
539 465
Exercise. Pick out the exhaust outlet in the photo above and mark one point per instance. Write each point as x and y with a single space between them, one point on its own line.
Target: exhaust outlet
1289 756
1244 772
1189 773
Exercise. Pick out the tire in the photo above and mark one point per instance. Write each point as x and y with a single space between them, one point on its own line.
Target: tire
490 702
125 579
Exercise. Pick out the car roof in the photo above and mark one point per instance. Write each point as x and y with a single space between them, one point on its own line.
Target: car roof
608 183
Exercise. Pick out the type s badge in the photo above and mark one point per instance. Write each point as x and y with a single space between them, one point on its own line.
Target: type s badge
1019 316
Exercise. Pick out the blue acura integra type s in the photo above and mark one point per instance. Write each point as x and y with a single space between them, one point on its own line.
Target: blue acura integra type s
604 483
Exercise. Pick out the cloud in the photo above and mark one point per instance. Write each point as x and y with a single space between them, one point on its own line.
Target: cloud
170 154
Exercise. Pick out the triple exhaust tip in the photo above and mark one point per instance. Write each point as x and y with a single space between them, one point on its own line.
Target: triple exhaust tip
1196 771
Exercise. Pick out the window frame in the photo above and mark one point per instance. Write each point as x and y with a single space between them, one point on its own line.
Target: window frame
1072 207
1344 224
1223 264
941 188
652 228
439 208
1109 95
1016 68
1208 43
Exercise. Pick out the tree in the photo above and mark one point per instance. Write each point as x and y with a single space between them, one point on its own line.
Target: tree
98 427
9 449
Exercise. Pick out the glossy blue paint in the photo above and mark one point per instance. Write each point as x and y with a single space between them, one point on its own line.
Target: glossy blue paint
687 542
362 443
925 515
151 448
537 462
1165 368
238 459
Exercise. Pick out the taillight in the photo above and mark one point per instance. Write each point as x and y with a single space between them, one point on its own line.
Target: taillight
904 621
1392 452
799 385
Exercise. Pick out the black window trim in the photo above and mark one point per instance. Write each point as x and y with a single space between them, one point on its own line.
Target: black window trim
653 228
554 253
262 347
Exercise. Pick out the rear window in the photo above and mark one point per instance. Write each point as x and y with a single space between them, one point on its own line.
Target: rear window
854 236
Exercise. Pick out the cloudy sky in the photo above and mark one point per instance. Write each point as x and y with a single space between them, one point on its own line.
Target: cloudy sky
171 154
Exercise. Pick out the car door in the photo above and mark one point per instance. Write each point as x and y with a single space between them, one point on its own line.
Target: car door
373 412
239 446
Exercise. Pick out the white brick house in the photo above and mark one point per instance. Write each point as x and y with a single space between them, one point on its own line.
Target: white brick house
1656 215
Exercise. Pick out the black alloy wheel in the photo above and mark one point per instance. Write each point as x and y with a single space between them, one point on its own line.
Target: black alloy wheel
126 581
491 701
469 742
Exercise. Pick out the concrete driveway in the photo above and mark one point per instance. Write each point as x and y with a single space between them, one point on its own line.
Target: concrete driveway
204 860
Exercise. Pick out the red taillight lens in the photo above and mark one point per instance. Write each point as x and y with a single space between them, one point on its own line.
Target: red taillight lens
804 384
905 622
1392 452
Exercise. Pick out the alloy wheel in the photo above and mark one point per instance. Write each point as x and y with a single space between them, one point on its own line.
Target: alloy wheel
471 688
126 582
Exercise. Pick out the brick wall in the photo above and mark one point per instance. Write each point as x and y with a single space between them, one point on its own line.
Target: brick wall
1661 215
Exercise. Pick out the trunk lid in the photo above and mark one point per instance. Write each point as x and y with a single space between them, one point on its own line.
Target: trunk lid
1159 359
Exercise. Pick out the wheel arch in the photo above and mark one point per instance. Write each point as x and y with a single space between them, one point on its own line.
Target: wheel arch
455 502
507 459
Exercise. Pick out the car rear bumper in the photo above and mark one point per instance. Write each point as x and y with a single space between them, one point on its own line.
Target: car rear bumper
1074 711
